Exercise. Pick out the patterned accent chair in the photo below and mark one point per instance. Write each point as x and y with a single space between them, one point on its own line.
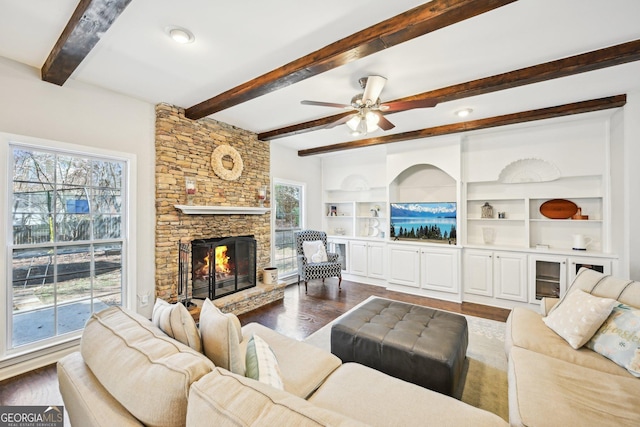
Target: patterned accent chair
308 270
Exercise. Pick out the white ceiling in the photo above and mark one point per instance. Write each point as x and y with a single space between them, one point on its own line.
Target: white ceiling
237 40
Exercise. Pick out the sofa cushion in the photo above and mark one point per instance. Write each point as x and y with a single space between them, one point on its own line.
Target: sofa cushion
262 364
87 402
545 391
378 399
143 369
175 321
619 338
525 329
303 367
579 317
604 286
222 337
224 399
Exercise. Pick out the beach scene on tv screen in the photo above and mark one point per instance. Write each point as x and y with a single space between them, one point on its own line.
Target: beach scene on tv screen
433 222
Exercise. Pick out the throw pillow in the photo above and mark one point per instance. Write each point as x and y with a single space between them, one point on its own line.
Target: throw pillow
262 364
315 251
176 321
221 338
618 338
579 317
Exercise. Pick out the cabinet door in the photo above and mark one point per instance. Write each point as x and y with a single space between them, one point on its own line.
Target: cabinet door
358 258
339 247
598 264
547 277
478 272
376 259
439 270
510 276
404 266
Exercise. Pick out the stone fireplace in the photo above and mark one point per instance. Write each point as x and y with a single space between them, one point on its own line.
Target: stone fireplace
184 149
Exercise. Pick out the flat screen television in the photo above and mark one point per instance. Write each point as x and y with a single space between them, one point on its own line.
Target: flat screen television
426 221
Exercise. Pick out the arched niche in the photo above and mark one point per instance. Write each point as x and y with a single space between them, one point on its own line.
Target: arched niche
423 183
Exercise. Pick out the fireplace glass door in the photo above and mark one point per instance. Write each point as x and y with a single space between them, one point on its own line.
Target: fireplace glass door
222 266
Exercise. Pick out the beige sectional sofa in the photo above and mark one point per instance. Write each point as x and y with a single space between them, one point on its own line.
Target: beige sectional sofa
128 372
553 384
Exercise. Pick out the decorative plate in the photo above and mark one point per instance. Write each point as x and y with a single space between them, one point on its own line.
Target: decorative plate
529 170
558 209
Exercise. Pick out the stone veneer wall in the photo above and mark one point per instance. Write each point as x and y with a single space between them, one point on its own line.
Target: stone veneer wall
183 148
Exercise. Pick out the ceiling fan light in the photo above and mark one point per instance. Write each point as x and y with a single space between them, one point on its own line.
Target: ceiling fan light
362 127
353 122
372 120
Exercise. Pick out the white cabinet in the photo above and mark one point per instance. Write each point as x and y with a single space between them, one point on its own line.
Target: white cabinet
376 260
574 265
548 276
510 275
358 257
427 268
404 265
340 247
496 274
551 275
367 259
478 272
439 270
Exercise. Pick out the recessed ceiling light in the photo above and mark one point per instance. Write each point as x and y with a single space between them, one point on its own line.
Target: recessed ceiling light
180 35
464 112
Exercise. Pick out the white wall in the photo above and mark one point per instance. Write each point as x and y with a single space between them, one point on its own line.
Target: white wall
86 116
632 180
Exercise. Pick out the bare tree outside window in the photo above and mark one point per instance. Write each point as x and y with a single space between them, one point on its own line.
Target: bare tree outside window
67 241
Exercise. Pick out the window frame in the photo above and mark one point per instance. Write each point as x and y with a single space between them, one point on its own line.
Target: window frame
8 142
303 194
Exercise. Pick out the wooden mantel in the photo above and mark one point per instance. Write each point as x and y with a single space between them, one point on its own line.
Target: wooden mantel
221 210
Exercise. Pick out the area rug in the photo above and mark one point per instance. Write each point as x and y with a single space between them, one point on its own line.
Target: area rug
485 385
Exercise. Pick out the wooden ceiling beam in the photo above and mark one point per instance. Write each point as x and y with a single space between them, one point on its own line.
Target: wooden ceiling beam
89 21
413 23
590 61
508 119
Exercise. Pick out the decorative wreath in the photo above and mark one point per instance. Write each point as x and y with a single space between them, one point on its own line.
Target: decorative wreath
216 162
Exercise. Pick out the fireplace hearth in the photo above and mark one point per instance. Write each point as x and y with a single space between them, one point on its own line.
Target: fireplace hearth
219 266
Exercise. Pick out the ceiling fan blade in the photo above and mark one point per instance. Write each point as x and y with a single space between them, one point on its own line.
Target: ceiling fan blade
383 123
325 104
373 89
409 105
340 121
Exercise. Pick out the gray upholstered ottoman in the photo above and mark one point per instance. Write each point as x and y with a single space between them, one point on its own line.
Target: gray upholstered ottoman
417 344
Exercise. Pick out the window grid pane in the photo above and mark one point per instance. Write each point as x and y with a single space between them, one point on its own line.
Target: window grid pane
60 198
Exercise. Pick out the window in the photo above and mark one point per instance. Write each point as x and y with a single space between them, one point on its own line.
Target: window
288 198
66 242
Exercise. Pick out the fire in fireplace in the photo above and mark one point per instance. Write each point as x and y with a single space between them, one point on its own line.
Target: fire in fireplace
220 266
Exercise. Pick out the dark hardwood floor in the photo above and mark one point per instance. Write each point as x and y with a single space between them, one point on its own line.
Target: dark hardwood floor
298 315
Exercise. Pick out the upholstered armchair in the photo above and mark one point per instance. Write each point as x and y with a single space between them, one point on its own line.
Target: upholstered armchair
314 262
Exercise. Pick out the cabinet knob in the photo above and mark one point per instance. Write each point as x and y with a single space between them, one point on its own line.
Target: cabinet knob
497 256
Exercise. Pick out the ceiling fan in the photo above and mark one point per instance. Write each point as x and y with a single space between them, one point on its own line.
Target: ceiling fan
368 110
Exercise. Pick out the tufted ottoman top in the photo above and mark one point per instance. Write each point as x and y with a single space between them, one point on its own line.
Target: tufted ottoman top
418 344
